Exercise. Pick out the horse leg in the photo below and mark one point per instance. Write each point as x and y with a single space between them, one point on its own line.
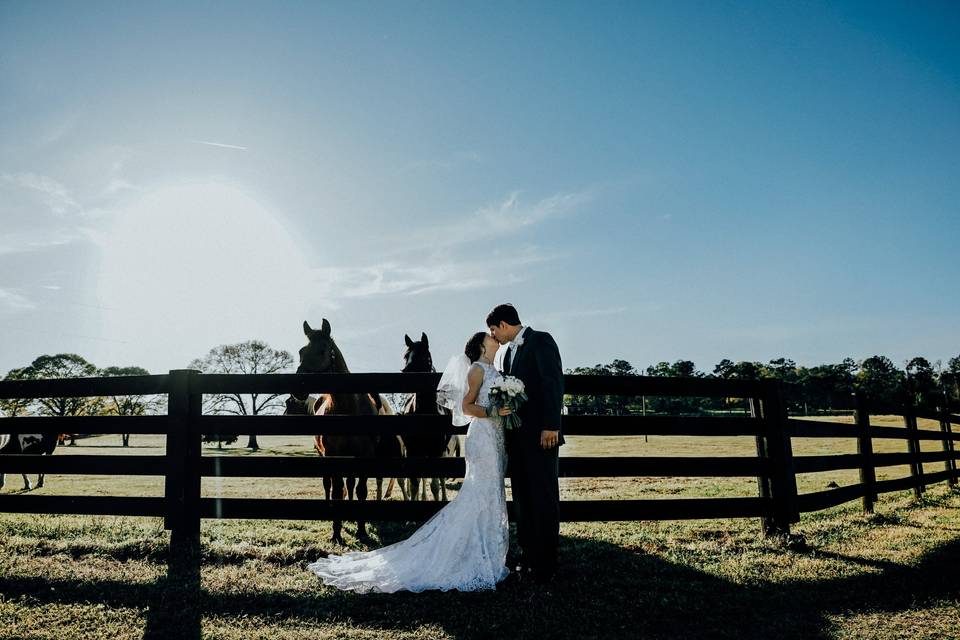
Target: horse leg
379 483
337 523
435 488
443 489
414 489
390 487
26 483
327 485
2 475
361 498
39 481
404 490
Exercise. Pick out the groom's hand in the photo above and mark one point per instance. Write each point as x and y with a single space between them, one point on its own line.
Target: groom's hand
549 439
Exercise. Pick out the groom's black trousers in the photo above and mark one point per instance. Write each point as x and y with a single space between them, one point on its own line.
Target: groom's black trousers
536 499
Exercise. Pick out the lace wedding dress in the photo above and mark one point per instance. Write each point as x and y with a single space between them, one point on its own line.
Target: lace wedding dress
462 547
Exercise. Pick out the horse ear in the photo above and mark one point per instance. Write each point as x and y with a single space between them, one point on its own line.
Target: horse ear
306 328
423 339
325 328
409 342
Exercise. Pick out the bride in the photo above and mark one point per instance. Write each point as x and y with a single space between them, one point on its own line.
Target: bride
464 545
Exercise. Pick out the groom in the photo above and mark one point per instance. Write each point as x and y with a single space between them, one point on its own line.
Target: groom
533 448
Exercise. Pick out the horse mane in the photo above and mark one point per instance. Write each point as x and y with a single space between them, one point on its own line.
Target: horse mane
351 403
426 399
340 363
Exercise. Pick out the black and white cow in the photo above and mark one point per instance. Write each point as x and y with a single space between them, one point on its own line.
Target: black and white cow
27 443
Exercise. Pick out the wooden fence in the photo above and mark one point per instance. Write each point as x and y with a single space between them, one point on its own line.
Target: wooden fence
777 503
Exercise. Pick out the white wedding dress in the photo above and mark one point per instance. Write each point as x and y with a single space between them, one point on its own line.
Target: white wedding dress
462 547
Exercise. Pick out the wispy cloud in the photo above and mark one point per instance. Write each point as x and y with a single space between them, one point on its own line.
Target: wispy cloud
456 256
219 144
10 300
511 215
58 127
117 185
56 196
394 279
17 243
399 279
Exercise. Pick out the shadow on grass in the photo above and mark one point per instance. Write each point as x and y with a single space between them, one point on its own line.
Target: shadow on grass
603 590
175 601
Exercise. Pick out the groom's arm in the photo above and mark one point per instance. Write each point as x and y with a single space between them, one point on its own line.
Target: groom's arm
551 376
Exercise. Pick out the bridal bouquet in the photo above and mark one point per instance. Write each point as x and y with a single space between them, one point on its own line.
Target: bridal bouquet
508 393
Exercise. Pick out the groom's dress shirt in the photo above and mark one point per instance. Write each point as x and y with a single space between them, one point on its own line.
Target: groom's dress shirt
512 349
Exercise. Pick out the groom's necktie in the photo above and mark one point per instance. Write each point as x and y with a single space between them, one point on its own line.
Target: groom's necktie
508 360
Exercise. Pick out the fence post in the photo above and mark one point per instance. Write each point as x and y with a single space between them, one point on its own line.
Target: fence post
763 480
868 476
913 447
783 479
950 464
183 465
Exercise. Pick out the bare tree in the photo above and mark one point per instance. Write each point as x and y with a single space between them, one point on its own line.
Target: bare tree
251 357
140 405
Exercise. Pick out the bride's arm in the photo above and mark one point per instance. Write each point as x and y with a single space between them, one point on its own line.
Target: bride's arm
474 380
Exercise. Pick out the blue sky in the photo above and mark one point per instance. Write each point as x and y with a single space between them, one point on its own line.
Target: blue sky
648 181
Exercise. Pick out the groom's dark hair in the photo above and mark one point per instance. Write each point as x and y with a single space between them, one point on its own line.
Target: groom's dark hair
503 313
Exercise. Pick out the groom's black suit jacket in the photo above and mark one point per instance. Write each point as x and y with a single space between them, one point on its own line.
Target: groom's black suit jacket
537 363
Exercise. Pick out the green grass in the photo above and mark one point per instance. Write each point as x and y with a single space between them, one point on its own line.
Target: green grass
890 575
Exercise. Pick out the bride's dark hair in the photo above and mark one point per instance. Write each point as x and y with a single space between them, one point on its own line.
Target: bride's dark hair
474 348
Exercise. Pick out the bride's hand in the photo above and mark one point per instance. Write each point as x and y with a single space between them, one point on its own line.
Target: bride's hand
505 411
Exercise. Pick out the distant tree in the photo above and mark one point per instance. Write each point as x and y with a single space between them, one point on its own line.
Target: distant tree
675 405
782 369
139 405
825 386
729 370
724 369
62 365
921 382
950 380
250 357
880 380
602 404
743 370
13 407
953 365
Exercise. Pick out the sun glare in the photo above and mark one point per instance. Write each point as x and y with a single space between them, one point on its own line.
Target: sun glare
187 268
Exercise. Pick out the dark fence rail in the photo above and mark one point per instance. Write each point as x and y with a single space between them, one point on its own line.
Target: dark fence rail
778 503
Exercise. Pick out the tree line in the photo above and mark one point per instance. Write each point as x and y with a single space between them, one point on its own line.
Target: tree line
809 390
252 356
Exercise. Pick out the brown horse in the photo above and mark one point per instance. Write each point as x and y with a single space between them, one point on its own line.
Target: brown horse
417 359
321 355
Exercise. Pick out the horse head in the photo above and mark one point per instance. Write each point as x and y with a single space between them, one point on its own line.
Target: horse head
417 358
320 354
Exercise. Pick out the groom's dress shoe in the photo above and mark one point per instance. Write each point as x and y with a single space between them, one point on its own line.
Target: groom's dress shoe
523 573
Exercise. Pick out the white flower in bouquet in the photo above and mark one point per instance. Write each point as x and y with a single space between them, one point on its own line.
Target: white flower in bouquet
508 393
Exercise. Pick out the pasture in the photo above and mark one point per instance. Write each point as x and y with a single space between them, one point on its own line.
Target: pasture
890 575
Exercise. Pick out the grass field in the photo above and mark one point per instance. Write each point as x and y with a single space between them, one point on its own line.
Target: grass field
895 574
